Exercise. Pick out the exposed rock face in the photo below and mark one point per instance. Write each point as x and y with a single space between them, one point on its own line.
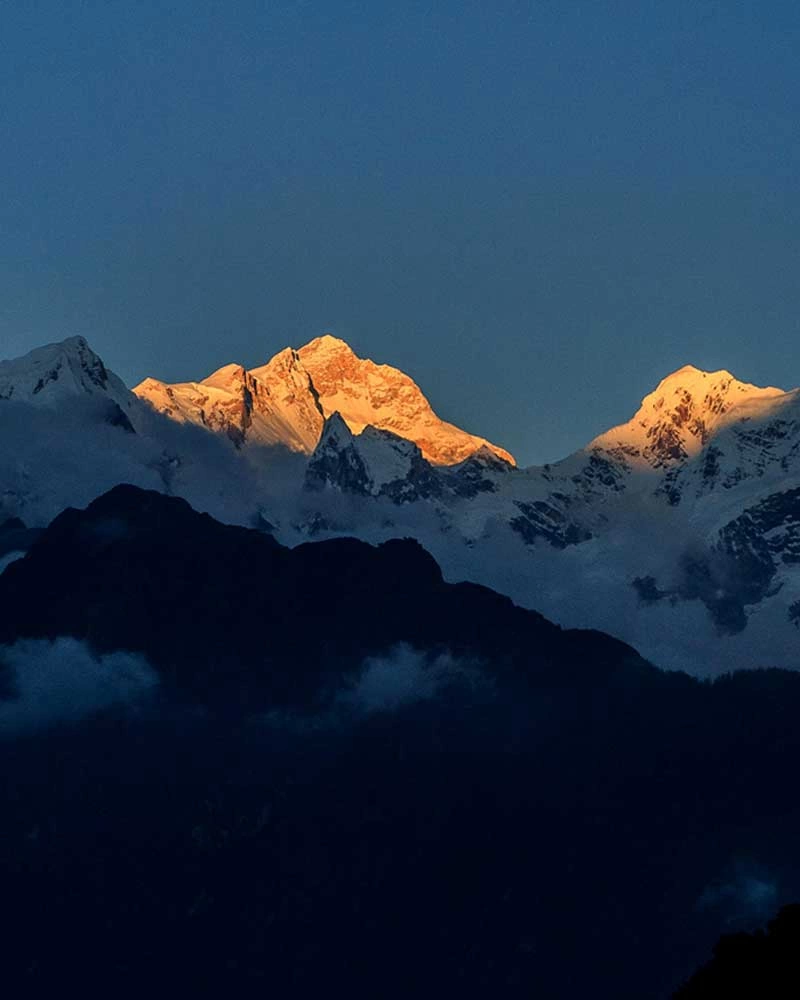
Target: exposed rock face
293 398
287 400
372 463
548 521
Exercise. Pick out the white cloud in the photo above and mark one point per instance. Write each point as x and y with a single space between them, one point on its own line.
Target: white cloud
399 679
748 895
405 677
62 681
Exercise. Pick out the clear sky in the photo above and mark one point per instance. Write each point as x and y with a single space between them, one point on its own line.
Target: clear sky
536 209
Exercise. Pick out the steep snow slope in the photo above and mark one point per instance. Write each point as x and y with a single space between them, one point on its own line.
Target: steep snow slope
271 405
233 402
293 398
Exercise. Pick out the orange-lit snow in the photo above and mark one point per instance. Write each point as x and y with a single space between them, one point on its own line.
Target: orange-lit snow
287 400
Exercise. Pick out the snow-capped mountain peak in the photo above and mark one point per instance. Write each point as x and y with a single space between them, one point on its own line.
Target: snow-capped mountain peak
677 419
69 374
50 374
327 347
371 462
297 390
230 377
335 433
380 396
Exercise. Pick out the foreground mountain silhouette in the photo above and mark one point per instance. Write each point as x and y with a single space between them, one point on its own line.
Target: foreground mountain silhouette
759 965
547 821
220 611
287 401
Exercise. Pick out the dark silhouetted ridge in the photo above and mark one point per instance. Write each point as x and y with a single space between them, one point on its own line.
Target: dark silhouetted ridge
225 611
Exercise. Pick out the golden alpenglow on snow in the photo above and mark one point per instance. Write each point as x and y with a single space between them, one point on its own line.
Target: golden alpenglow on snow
287 401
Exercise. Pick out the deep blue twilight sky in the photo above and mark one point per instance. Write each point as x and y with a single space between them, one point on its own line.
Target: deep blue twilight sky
537 209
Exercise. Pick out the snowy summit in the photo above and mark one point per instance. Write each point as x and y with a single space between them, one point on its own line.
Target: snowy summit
287 401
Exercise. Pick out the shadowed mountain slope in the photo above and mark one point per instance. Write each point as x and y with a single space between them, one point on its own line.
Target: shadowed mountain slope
225 609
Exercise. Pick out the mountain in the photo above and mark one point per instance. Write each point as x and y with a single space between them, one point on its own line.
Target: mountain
372 463
331 751
142 572
70 430
677 531
49 376
275 406
287 400
679 418
366 394
378 463
288 746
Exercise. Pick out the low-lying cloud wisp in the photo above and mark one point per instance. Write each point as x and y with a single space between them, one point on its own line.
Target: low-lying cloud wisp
45 683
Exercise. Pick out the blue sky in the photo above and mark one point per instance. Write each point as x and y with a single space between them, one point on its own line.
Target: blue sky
536 209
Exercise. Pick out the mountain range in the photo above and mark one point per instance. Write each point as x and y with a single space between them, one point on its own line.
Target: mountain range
300 684
677 531
288 400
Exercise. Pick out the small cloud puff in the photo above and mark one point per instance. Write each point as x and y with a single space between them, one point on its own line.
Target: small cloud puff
45 683
405 677
746 896
399 679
